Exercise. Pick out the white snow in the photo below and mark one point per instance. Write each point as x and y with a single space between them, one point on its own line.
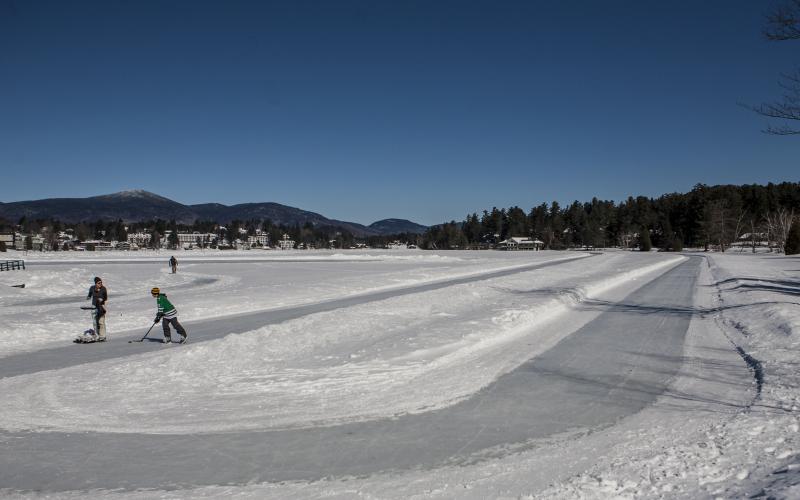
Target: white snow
410 354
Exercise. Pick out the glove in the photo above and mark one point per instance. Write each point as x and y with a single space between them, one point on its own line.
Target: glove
158 318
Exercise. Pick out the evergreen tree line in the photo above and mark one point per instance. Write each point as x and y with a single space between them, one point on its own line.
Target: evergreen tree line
706 217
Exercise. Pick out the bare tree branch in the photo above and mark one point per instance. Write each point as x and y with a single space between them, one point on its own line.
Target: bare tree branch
784 22
786 109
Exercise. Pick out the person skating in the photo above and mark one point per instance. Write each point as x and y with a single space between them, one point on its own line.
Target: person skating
173 263
167 314
99 296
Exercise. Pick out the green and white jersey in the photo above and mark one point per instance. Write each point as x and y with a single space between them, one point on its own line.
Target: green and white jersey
165 307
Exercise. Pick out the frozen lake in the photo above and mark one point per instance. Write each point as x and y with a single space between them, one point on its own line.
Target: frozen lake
412 371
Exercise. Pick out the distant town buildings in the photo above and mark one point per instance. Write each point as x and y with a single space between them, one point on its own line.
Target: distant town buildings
22 241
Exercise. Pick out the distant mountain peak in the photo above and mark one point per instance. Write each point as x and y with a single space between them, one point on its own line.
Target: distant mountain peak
134 196
135 193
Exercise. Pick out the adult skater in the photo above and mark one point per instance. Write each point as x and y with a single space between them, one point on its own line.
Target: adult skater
99 296
173 263
167 314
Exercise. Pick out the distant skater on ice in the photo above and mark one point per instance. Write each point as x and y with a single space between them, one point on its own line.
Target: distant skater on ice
173 263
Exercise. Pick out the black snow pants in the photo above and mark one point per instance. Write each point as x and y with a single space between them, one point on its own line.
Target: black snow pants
165 324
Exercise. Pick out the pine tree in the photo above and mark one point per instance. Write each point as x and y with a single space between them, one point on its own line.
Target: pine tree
155 239
516 222
792 246
644 240
173 239
122 234
472 229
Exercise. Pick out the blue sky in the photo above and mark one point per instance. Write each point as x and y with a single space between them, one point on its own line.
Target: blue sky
423 110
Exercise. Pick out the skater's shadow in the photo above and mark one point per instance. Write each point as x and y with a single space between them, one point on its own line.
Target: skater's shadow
148 340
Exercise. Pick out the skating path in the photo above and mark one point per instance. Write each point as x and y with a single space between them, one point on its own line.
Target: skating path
614 366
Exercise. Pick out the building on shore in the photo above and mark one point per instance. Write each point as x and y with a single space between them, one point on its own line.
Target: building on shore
520 243
286 243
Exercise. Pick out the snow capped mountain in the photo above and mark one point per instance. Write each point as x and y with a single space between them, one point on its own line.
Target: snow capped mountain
140 194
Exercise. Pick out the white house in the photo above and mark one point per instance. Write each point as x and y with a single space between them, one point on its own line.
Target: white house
8 239
98 245
286 243
190 240
520 243
260 239
139 239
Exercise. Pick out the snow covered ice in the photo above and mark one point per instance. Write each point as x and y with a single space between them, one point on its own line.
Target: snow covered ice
325 341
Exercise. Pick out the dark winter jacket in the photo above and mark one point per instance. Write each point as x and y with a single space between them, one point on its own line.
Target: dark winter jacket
99 299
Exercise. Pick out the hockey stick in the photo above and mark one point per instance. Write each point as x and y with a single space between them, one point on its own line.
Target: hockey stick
145 335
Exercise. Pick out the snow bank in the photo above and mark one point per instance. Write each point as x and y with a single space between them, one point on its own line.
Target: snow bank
750 301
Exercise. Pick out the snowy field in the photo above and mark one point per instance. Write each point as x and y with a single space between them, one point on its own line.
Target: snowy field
424 332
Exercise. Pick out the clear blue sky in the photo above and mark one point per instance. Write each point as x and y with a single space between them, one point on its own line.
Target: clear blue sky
423 110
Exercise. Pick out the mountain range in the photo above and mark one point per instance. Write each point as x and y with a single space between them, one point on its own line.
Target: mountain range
139 205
